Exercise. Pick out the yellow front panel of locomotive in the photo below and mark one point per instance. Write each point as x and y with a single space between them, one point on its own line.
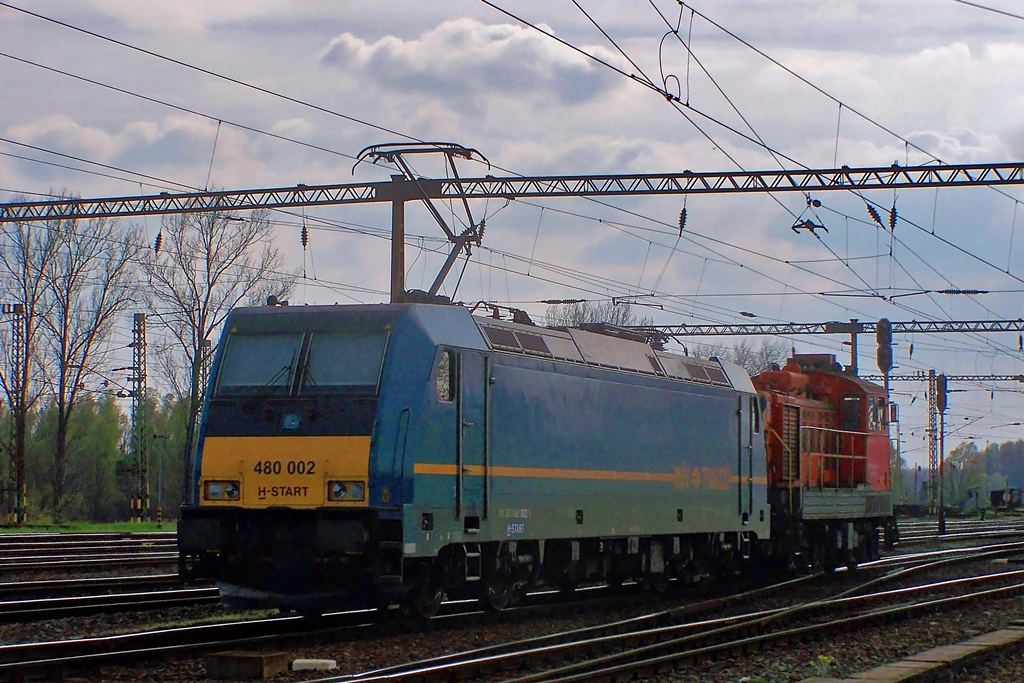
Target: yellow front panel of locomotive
288 471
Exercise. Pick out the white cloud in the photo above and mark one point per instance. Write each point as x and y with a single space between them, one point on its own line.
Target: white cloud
190 16
947 77
464 60
64 134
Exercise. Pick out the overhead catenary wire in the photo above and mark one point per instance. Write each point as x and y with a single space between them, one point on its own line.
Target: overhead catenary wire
161 55
209 72
674 100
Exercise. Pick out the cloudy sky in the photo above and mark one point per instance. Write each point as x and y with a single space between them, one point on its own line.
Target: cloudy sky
262 93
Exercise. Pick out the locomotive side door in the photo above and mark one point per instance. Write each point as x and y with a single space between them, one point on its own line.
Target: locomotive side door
748 418
471 466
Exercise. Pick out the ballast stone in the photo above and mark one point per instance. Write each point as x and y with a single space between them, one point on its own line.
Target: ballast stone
314 664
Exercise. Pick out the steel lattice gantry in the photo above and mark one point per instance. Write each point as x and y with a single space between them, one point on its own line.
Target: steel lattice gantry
853 328
407 187
400 188
832 327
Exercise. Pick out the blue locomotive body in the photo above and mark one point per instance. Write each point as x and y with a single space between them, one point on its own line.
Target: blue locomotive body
396 453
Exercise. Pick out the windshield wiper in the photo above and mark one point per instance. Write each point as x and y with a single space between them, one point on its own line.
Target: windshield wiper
264 390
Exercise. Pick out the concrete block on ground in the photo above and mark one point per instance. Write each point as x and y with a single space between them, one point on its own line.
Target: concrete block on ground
245 666
946 654
314 665
1006 636
895 672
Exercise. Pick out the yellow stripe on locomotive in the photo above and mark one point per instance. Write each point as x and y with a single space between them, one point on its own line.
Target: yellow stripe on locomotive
293 471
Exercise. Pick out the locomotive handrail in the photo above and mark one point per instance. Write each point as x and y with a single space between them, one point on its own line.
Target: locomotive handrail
832 458
837 431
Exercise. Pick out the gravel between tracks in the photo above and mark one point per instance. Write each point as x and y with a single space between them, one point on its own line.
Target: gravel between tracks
852 652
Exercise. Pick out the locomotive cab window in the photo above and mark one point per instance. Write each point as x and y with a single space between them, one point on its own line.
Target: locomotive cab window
445 377
258 363
876 413
851 414
345 361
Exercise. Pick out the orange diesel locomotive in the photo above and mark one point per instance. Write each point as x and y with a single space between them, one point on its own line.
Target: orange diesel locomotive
828 462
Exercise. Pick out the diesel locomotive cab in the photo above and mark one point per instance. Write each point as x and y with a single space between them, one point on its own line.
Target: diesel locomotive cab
279 512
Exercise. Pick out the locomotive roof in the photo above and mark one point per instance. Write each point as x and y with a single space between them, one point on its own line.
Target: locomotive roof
455 325
602 350
821 372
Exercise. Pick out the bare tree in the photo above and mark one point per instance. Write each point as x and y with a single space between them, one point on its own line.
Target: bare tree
574 315
91 282
169 362
25 254
754 360
206 267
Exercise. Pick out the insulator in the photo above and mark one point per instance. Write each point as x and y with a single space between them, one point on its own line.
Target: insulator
682 221
305 236
874 215
1020 342
911 351
892 219
158 242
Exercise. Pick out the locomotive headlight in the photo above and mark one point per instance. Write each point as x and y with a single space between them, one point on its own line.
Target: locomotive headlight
221 490
338 491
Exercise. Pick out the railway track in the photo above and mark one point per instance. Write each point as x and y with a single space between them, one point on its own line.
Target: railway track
59 658
51 588
923 532
21 553
662 642
56 658
71 606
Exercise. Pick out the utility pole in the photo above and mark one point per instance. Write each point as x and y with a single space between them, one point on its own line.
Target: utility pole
933 443
18 384
397 241
140 444
941 403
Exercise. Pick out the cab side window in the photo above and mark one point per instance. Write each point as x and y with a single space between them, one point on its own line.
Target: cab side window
445 382
876 413
851 414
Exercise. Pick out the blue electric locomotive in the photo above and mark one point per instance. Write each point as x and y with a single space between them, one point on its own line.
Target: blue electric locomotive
383 454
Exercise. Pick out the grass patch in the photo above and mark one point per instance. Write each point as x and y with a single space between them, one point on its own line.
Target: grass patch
185 622
87 527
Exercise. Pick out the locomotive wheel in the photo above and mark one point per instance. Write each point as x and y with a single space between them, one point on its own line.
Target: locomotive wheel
500 594
829 562
790 564
851 560
427 599
658 584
